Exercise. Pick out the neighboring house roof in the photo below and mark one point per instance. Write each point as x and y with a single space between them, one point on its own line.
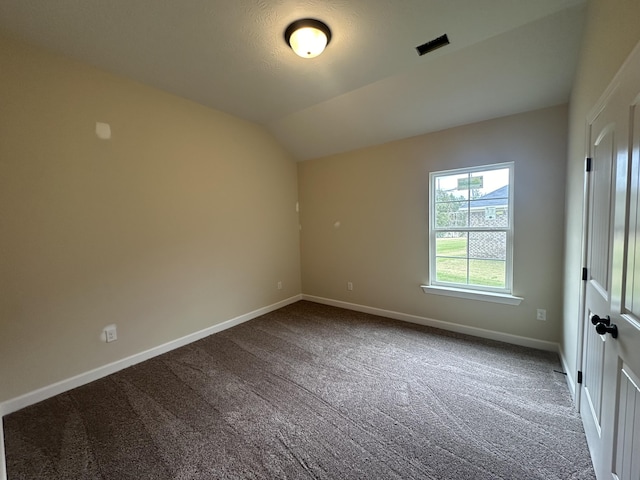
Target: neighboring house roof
497 198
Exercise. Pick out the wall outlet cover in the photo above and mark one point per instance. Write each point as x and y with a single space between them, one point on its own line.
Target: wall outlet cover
110 333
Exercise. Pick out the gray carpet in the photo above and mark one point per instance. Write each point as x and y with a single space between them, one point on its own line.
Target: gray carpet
316 392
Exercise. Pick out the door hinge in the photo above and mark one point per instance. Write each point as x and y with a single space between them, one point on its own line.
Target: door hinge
579 376
584 274
588 164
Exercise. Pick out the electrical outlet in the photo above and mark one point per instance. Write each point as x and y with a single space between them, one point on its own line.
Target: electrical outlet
350 286
110 333
541 314
279 285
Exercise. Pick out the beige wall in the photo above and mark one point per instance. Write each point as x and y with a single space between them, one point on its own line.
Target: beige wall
611 33
380 197
184 219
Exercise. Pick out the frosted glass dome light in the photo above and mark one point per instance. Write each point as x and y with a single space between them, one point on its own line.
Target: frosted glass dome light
308 37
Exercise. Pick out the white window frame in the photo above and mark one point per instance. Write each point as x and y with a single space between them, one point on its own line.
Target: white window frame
480 292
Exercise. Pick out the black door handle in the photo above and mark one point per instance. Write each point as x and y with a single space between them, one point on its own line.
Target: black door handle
603 328
595 319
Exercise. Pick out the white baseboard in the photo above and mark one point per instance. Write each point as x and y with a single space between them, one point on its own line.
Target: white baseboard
43 393
430 322
3 460
570 380
36 396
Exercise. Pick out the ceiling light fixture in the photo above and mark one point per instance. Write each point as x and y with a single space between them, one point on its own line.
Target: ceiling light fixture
307 37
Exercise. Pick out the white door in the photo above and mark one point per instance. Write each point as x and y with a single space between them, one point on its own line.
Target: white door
599 274
610 400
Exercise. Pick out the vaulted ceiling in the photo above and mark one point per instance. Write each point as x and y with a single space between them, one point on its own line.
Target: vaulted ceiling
368 87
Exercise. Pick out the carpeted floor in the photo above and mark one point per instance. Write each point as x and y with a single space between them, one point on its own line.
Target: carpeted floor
311 391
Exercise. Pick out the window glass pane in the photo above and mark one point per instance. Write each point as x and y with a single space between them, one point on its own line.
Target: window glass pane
491 213
452 270
488 245
452 187
490 184
451 214
471 228
489 204
451 244
488 273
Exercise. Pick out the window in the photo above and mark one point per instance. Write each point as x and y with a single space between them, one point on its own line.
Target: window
471 228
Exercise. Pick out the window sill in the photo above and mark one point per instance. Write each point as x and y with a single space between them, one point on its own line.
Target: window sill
472 294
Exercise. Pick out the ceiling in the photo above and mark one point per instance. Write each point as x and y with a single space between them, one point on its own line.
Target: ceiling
367 88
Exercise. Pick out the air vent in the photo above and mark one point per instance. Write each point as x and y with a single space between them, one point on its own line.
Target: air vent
432 45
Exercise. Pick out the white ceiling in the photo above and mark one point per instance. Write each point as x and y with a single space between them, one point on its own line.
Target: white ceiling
368 87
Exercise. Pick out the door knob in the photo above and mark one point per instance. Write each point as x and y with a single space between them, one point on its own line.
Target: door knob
595 319
604 328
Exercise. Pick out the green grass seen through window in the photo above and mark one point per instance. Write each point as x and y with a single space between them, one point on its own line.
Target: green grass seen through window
481 272
451 247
